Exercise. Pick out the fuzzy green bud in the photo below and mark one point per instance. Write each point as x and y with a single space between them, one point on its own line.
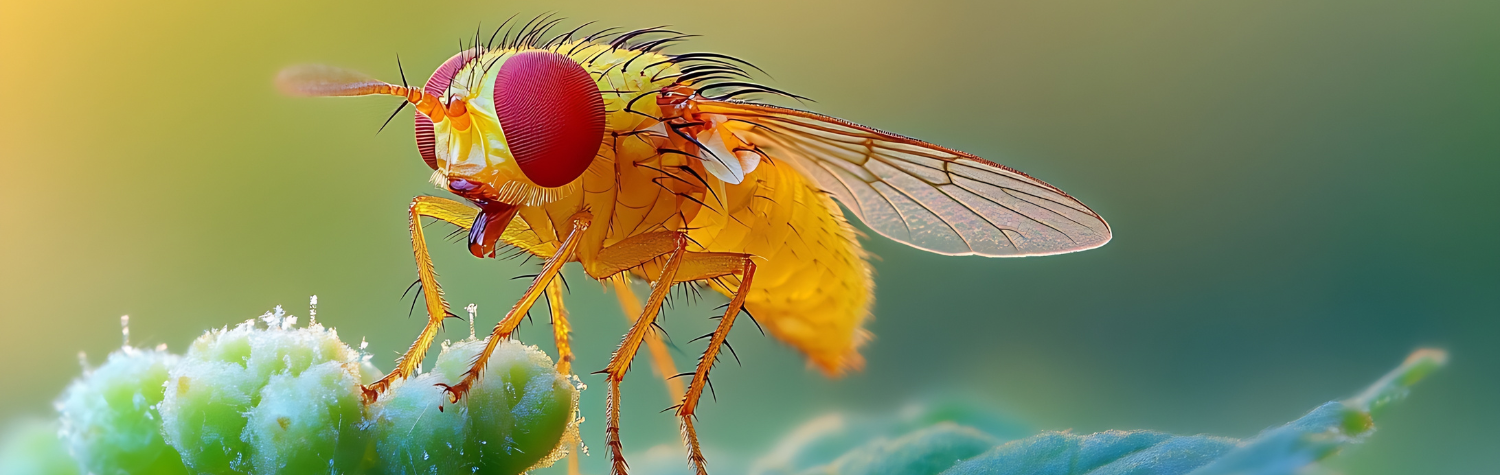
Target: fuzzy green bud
109 417
273 400
517 417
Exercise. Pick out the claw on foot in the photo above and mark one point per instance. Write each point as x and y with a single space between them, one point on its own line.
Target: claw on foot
371 392
455 392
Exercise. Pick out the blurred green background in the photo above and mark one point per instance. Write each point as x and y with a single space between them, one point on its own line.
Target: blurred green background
1302 192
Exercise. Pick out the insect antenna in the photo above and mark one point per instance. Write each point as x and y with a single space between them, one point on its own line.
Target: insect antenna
403 102
393 115
402 70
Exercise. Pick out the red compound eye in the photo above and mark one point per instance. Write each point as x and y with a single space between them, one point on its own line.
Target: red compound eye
436 85
552 115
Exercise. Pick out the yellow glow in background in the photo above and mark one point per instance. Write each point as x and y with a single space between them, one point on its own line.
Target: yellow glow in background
1301 193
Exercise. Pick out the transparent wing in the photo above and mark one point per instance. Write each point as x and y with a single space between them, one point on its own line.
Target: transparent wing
920 194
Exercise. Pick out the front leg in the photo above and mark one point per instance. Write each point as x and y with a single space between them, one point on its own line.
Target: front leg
432 295
507 325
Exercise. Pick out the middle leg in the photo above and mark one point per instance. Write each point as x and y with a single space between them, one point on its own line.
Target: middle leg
661 359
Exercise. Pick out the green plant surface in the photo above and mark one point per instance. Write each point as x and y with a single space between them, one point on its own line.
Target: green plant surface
272 400
514 419
268 397
830 436
110 421
32 447
949 449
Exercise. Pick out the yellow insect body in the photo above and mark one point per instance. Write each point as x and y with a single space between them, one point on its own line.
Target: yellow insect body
813 288
687 185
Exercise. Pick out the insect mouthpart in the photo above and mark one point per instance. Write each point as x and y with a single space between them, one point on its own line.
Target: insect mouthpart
475 191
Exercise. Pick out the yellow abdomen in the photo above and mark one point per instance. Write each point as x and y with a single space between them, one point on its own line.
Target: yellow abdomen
812 288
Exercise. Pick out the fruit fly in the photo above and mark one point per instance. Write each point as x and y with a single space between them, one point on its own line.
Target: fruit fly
607 151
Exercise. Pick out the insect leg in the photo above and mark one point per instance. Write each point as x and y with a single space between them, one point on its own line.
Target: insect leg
700 266
560 331
560 327
661 360
620 362
437 309
507 325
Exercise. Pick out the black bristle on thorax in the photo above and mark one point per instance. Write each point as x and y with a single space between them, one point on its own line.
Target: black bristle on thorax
715 76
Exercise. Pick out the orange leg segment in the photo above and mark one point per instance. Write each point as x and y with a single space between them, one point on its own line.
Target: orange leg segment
619 363
661 359
437 309
507 325
682 266
560 327
560 335
706 362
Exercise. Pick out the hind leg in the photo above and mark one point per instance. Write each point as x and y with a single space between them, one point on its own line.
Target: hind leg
712 267
680 267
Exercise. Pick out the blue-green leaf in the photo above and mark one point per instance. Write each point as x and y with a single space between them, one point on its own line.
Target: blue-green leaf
950 450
